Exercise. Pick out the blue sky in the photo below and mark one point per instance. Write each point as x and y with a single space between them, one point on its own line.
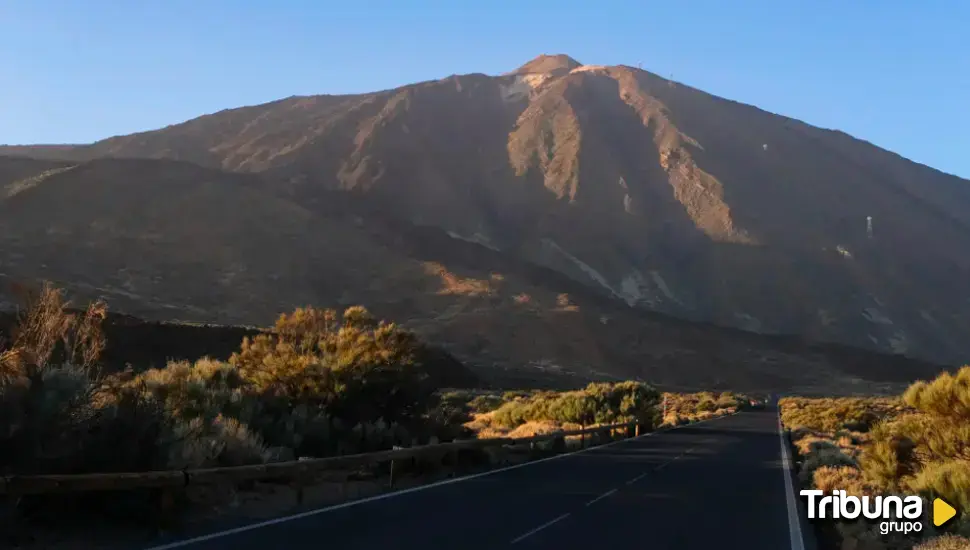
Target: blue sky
894 72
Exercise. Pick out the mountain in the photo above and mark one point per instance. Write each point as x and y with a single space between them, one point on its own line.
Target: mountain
652 193
167 240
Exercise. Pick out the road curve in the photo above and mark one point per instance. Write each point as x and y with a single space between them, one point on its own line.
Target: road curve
717 484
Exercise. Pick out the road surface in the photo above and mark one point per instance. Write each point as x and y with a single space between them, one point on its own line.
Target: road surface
717 484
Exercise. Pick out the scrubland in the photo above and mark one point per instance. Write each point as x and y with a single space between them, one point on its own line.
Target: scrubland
915 443
318 383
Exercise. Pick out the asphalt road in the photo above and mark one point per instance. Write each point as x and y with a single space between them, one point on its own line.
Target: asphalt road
717 484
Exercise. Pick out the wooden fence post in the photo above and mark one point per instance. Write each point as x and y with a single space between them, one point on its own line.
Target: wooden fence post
300 482
390 480
166 508
559 444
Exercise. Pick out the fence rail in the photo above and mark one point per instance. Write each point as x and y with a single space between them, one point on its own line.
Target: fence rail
291 470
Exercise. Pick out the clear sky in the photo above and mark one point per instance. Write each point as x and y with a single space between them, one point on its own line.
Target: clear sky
894 72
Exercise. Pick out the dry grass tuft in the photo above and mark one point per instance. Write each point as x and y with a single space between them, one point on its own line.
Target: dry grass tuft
847 478
47 333
946 542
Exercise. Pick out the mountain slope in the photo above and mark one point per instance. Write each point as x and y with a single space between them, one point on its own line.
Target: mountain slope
167 239
655 193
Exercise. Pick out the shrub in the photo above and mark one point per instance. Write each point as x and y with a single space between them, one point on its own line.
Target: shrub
945 542
205 389
47 334
706 405
809 442
831 415
357 368
934 438
949 480
698 406
728 400
446 419
485 403
864 535
886 461
947 396
318 383
598 403
848 478
823 456
514 395
919 443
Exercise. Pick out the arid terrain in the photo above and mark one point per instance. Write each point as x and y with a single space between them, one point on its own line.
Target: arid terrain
558 218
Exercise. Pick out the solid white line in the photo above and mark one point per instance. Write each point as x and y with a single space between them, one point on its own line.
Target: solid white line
794 525
636 479
539 528
309 513
601 497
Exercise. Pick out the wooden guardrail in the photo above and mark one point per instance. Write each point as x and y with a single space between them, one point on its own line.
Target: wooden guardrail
298 470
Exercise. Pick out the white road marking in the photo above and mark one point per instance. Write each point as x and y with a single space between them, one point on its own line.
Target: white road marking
636 479
673 459
601 497
794 526
539 528
310 513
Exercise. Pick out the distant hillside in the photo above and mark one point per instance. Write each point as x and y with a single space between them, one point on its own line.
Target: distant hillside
654 193
169 240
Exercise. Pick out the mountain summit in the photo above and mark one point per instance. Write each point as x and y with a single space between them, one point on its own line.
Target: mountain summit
653 194
554 64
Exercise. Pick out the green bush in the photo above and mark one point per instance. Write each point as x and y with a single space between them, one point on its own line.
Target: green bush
485 403
706 405
947 396
823 456
949 480
357 368
598 403
205 389
885 462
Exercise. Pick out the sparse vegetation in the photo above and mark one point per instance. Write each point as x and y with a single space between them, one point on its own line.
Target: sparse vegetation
598 403
945 542
522 413
683 408
317 383
918 443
